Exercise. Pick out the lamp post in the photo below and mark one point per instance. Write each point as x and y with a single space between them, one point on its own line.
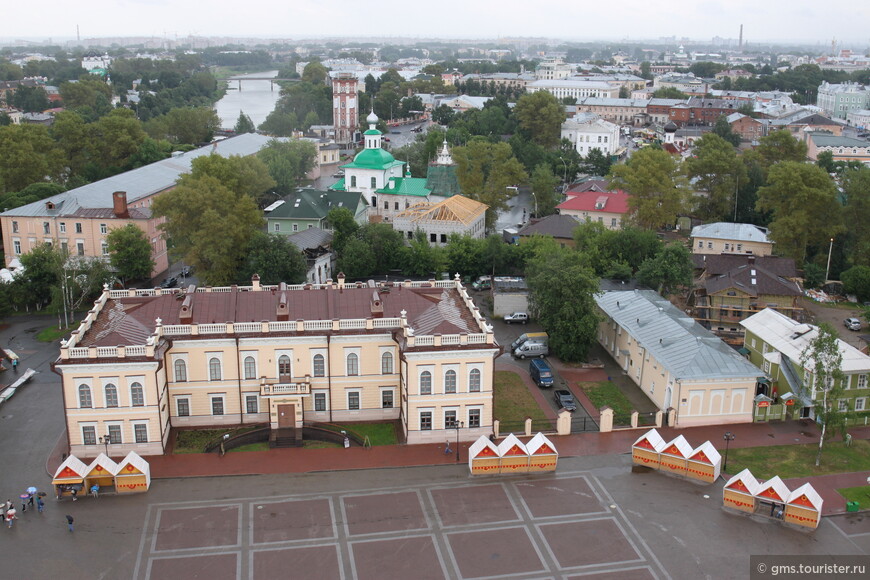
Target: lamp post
728 437
105 440
458 425
828 269
535 197
565 171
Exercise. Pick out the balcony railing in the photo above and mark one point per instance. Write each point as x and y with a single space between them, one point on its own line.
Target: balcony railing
282 389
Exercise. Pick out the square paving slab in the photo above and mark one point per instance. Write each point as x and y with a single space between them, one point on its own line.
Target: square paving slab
494 552
588 543
479 504
379 513
201 527
315 563
559 497
211 567
415 557
292 520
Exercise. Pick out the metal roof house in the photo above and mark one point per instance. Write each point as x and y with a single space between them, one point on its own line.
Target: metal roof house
724 237
682 367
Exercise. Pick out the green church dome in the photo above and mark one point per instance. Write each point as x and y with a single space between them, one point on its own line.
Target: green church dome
373 159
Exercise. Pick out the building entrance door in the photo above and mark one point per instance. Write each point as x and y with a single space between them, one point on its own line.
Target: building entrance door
286 416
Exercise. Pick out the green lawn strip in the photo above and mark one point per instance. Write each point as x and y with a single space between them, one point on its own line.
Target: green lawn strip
194 440
789 461
513 402
606 393
860 494
53 333
378 433
261 446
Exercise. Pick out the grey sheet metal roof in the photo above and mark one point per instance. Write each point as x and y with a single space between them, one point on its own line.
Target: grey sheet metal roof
729 231
140 182
685 348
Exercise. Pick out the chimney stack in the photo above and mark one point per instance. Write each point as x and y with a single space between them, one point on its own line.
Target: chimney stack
119 204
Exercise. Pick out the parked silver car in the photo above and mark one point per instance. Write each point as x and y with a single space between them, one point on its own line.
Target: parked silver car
852 324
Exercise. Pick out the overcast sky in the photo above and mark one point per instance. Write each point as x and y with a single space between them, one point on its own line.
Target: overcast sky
810 21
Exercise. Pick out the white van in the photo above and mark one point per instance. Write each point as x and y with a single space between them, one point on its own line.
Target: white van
531 349
533 336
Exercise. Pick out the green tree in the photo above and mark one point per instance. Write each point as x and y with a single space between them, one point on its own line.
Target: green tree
116 138
856 280
84 93
74 137
465 256
781 146
190 125
443 115
42 266
825 160
544 187
655 182
343 226
596 163
29 155
823 374
244 124
716 171
31 99
242 175
279 123
33 192
668 271
130 253
385 244
669 93
423 259
485 170
356 259
723 129
855 184
803 201
561 290
209 225
274 258
541 115
288 162
314 73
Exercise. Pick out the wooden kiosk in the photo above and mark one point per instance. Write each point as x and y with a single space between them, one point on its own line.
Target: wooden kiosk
542 454
514 455
133 475
704 463
675 456
101 472
69 477
771 497
483 457
739 492
804 507
647 450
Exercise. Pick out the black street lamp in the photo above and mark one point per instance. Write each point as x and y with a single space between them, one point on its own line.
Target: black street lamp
458 425
105 440
728 437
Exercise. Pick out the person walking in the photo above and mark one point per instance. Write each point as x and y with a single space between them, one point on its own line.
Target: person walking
40 505
10 517
69 523
95 491
7 506
15 365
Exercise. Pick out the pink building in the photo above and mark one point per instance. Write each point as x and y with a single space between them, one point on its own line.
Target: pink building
345 106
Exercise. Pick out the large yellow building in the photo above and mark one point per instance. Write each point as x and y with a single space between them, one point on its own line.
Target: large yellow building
146 361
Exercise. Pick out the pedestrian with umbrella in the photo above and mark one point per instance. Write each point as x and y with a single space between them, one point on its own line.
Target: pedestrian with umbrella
32 491
10 517
24 497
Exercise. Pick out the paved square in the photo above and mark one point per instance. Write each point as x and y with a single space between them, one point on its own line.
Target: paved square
292 520
393 512
315 563
414 557
213 567
473 505
197 528
495 553
634 574
603 542
558 497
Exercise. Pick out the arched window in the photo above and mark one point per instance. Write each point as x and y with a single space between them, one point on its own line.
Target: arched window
284 368
450 381
137 395
352 364
85 401
319 366
387 363
250 368
180 371
425 383
111 395
474 381
214 369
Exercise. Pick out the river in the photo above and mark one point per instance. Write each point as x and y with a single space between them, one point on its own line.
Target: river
257 99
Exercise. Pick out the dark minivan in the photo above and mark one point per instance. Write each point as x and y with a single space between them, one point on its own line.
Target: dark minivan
541 373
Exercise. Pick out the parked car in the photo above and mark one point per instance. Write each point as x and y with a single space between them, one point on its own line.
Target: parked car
852 324
533 336
521 317
531 349
482 283
565 400
170 282
541 372
396 132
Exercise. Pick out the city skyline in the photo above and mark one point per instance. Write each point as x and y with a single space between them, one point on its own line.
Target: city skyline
776 21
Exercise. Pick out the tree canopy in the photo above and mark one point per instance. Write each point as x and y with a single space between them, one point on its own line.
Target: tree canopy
130 253
541 115
657 187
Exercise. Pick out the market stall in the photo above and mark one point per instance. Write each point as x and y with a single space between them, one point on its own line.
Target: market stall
542 454
101 473
675 456
647 450
771 497
514 455
133 475
483 457
69 479
739 492
804 507
704 463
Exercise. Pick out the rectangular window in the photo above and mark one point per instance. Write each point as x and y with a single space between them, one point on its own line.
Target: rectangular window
319 401
450 419
115 434
104 247
277 227
16 244
295 227
387 399
217 405
353 400
140 432
46 228
89 435
182 407
473 418
14 227
859 404
104 229
80 248
842 406
862 381
425 420
252 404
78 227
62 227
